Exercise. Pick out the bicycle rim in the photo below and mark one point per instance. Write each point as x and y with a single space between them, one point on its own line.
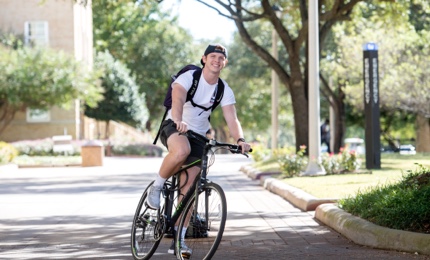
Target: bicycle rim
145 232
206 226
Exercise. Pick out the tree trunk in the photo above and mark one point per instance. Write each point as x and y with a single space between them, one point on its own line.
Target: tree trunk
300 110
98 130
423 134
336 99
339 124
107 133
7 114
148 125
222 135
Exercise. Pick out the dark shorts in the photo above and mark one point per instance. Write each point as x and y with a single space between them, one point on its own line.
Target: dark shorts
167 129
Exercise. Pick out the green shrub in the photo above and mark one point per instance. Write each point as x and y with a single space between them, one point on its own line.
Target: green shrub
43 147
331 163
260 153
344 161
349 160
402 206
7 153
290 163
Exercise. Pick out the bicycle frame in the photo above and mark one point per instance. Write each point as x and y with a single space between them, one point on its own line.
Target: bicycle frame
197 186
170 216
197 216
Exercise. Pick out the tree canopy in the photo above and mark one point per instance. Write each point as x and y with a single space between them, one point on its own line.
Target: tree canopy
40 78
403 62
148 41
122 100
291 25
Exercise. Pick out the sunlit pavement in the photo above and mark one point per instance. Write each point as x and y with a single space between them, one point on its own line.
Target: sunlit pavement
86 213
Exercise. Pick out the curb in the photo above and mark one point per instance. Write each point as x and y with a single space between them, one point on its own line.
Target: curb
295 196
358 230
366 233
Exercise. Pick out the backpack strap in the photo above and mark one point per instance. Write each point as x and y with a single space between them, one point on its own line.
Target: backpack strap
159 129
192 91
219 94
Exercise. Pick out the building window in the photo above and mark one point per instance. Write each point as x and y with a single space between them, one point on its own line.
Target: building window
38 115
36 33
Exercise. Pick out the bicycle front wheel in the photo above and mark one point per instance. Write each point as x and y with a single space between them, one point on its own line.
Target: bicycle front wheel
206 227
146 231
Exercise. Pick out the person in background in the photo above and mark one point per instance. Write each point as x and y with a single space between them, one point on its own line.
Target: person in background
325 134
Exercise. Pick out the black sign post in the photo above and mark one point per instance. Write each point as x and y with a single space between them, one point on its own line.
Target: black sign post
371 106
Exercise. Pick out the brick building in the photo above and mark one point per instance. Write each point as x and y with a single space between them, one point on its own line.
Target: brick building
59 24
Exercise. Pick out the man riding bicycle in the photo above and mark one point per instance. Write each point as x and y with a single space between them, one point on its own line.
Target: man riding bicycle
184 116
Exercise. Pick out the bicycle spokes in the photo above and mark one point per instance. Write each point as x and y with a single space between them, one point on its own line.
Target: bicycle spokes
207 222
145 233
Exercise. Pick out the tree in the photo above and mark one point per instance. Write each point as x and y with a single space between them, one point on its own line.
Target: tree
403 63
122 100
250 79
40 78
147 41
292 28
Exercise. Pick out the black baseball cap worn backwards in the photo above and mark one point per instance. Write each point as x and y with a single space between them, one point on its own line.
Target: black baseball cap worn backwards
215 48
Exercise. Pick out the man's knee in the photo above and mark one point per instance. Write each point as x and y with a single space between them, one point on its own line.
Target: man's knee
181 153
179 147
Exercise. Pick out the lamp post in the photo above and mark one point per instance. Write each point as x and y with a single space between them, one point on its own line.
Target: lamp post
314 165
275 85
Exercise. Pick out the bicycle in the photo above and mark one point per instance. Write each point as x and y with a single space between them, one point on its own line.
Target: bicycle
205 202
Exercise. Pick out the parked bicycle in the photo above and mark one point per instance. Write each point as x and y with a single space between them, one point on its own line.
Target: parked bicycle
205 202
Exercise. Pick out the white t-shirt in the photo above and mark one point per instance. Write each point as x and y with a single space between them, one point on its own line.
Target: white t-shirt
195 117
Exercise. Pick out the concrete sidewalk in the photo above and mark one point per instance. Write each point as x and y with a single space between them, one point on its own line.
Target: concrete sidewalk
86 213
358 230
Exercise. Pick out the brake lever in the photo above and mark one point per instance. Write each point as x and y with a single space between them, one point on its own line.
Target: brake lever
239 151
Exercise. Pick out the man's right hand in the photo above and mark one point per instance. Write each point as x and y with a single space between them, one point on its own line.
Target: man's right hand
181 126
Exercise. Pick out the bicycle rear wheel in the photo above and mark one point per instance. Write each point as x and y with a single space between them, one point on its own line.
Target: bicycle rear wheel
147 229
207 223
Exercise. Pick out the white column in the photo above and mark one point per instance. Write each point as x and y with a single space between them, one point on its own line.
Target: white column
314 166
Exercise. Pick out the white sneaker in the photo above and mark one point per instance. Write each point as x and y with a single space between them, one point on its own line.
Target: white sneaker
172 248
153 199
185 250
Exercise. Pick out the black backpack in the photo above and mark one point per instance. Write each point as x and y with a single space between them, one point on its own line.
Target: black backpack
191 92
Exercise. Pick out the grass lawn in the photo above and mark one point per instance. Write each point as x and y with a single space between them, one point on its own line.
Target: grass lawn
393 166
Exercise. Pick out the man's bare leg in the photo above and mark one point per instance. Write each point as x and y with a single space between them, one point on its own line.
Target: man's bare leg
179 149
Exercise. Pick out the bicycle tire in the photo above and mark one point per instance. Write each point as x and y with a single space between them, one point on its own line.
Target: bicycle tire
210 218
145 231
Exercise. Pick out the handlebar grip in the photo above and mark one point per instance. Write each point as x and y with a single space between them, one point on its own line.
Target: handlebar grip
239 150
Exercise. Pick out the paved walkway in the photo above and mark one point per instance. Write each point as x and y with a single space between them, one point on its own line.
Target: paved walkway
86 213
